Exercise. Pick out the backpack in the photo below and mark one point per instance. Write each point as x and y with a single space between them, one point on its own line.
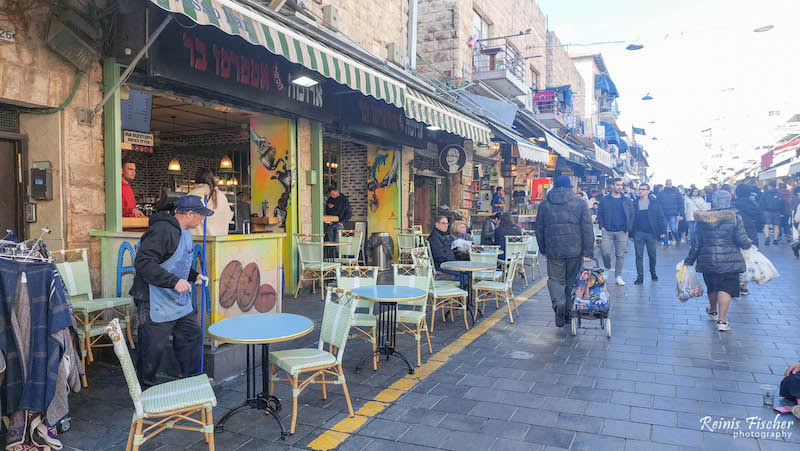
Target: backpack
775 202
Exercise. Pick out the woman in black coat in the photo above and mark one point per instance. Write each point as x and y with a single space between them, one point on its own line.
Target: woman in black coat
506 228
716 248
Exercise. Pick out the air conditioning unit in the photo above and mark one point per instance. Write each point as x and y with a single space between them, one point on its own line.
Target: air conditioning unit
395 54
62 40
330 15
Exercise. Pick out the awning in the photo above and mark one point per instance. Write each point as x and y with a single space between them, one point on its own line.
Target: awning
794 168
611 133
424 108
239 20
527 150
604 83
773 173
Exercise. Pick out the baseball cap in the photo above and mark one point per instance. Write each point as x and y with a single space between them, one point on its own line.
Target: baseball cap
192 203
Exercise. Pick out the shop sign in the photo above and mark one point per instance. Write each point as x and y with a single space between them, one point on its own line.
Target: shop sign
137 138
389 118
552 161
452 159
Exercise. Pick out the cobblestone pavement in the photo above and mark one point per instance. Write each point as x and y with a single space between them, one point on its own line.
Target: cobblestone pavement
531 385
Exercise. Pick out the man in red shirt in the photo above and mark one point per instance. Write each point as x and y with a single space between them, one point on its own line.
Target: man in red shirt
128 199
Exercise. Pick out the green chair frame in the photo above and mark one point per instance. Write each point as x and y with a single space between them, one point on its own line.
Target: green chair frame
415 276
487 290
313 266
364 320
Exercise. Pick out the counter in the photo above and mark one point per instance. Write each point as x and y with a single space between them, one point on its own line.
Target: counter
245 271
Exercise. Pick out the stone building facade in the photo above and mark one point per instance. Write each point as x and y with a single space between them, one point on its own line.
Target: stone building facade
561 70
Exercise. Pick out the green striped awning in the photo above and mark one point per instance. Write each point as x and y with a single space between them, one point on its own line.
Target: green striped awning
239 20
425 108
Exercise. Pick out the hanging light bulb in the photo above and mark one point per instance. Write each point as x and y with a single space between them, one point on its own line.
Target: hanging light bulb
235 182
174 165
226 163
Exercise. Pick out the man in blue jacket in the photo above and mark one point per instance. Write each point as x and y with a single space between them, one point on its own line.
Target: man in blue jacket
615 218
672 203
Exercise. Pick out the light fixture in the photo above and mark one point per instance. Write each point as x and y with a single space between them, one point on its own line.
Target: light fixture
225 163
541 139
764 28
235 182
647 97
174 165
124 92
304 81
634 47
327 164
433 128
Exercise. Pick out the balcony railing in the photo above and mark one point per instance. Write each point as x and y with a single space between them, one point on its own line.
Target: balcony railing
498 54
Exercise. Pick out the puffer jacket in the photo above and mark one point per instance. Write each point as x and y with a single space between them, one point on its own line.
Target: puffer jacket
717 242
747 208
564 226
671 201
441 249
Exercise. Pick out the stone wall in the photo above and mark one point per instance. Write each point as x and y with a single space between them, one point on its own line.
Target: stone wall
354 177
562 71
371 24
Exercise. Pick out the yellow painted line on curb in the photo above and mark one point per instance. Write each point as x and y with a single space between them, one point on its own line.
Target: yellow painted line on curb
338 433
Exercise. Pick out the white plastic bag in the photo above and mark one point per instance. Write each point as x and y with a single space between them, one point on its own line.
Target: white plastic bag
688 285
759 269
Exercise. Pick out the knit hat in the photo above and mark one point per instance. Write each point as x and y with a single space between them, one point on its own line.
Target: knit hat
720 200
562 181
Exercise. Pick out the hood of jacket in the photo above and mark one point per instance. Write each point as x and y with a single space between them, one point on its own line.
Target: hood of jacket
164 219
560 196
714 218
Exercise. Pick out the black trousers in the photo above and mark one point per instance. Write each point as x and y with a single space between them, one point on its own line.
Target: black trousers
562 273
790 386
642 240
154 338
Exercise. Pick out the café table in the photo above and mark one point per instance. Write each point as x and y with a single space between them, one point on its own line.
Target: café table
331 249
259 329
468 268
387 297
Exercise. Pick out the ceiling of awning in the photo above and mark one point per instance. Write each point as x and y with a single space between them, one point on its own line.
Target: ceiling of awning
427 109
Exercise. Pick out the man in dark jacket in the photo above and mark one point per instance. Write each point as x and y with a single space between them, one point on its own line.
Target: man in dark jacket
786 225
441 243
161 290
338 205
773 206
564 233
747 208
487 231
716 248
672 203
615 218
648 226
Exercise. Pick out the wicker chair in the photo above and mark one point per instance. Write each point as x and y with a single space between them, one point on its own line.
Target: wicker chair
349 255
312 265
486 254
164 405
486 290
422 256
406 242
364 320
415 276
532 254
516 248
336 321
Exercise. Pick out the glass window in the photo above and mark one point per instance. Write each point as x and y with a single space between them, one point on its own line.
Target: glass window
479 26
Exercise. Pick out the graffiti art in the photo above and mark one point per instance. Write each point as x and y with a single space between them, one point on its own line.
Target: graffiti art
227 283
265 300
247 287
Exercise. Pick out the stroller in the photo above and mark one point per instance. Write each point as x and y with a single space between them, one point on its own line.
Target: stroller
590 299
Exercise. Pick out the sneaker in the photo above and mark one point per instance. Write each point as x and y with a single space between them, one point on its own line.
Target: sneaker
620 282
712 315
722 326
561 315
796 250
766 242
639 280
775 242
654 277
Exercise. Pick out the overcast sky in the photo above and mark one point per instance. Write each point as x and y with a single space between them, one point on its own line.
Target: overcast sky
702 63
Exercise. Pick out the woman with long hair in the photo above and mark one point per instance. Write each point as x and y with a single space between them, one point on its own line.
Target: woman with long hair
206 188
507 227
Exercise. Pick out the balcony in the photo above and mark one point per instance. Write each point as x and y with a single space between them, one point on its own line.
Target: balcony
498 63
548 110
609 111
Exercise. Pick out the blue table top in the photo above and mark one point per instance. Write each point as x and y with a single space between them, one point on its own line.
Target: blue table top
388 293
261 328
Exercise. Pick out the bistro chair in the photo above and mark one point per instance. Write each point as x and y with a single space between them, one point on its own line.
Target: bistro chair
364 320
336 322
516 248
349 255
406 242
444 297
532 254
312 265
164 405
486 254
422 256
415 276
487 289
476 236
89 312
417 228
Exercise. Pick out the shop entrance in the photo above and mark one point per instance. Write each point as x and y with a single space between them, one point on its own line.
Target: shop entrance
429 194
10 200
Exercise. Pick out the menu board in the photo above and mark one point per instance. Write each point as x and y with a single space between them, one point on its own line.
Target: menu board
136 111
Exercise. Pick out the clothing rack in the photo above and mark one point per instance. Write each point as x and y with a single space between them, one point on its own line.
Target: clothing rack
30 250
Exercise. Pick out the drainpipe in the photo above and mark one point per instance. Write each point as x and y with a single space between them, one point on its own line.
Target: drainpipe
412 34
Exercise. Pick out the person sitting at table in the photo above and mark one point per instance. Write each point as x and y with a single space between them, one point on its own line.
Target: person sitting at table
441 246
458 230
487 231
337 205
506 228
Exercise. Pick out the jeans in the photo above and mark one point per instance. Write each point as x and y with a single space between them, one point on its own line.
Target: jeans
153 340
790 386
672 224
618 240
641 240
333 237
692 228
562 273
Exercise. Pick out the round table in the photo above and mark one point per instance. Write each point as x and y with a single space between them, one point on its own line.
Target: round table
259 329
332 249
469 267
387 297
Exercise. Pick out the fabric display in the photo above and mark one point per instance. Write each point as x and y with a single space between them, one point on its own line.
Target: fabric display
759 269
688 284
40 361
589 293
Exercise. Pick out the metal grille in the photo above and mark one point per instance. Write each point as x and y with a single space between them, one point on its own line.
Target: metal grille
9 120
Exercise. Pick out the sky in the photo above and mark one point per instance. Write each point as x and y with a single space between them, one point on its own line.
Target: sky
702 64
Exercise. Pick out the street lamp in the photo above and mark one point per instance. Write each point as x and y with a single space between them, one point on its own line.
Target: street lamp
647 97
764 28
634 47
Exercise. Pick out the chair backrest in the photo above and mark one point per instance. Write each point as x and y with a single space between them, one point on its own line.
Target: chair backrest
349 277
121 350
415 276
516 246
476 236
417 228
336 321
533 244
477 254
353 237
76 275
419 256
309 248
406 239
511 272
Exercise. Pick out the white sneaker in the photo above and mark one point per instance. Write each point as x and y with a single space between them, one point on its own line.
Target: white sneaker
620 282
722 326
711 315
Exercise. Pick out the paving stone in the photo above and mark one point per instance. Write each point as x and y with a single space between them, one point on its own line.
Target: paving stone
412 399
533 416
455 405
423 435
503 444
493 410
655 389
632 399
459 422
579 423
543 388
529 400
575 406
677 436
615 384
384 429
626 429
485 394
638 445
605 410
550 436
653 416
675 404
459 441
426 417
699 394
506 429
512 385
584 441
589 394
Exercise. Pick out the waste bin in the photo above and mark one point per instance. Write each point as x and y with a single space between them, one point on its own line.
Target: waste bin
380 248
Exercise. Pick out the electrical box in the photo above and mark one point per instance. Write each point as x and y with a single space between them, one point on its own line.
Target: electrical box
42 181
330 15
395 54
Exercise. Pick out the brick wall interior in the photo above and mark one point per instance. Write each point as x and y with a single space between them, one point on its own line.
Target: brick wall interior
354 177
151 169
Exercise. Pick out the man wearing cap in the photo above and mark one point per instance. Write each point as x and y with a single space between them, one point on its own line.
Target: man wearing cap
566 238
161 290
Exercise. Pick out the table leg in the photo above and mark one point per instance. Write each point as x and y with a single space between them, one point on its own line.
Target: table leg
263 400
471 301
385 335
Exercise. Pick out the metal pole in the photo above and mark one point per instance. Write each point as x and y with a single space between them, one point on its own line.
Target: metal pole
203 292
412 33
131 66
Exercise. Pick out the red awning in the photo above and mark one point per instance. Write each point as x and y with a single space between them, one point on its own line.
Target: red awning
788 146
766 160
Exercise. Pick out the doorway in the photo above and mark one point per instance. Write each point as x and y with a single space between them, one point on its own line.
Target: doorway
11 188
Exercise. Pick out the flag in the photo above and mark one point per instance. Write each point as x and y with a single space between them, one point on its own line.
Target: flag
638 131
